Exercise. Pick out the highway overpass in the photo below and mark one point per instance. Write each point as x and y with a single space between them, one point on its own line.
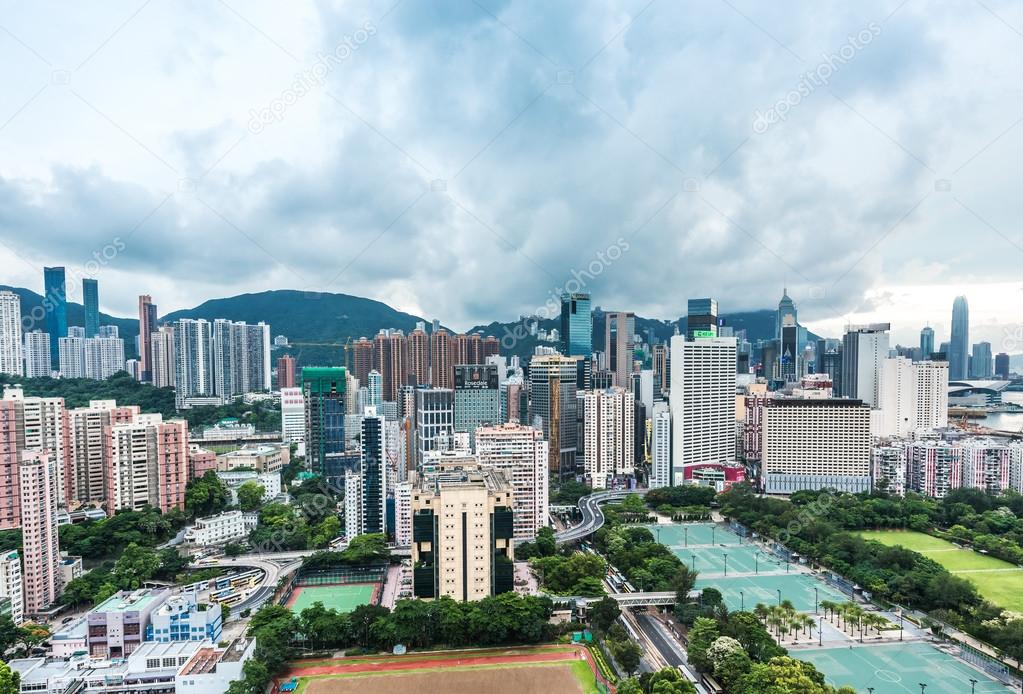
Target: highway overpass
593 517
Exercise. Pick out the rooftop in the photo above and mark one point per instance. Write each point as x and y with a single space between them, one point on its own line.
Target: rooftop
130 602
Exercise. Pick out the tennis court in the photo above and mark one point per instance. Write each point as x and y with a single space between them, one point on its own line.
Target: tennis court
343 598
690 534
898 668
741 559
744 592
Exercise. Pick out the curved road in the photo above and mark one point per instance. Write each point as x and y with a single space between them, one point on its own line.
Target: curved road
593 517
272 573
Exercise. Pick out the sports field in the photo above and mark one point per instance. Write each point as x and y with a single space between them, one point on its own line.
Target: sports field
343 598
746 591
740 559
690 534
898 668
997 580
496 671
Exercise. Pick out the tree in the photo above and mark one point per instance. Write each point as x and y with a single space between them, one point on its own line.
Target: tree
781 675
670 681
250 496
206 495
630 686
701 636
546 546
683 583
10 681
135 566
627 653
233 549
10 634
604 613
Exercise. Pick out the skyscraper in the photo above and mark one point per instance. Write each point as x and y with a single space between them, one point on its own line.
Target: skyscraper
982 364
193 360
1002 366
147 324
553 402
619 337
362 359
419 357
702 318
442 359
324 391
435 420
786 313
609 431
477 398
162 346
959 347
10 334
90 298
577 333
702 402
374 389
55 305
373 470
864 348
521 453
926 342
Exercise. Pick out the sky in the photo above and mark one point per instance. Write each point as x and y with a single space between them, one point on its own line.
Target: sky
467 160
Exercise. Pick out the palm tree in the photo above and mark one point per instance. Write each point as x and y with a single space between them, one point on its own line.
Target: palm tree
761 611
827 606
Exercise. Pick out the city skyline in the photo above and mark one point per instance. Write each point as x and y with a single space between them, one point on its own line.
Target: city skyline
496 179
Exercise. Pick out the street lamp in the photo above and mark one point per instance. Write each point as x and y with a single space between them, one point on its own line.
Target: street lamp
658 531
922 687
816 602
725 555
786 566
686 531
742 602
973 686
901 617
820 631
712 529
756 563
693 555
779 597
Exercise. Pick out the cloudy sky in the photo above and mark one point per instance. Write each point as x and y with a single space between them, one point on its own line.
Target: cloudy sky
465 159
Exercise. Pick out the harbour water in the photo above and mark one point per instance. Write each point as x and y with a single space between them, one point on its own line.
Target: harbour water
1006 421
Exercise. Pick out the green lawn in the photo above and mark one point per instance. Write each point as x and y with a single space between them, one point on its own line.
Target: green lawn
997 580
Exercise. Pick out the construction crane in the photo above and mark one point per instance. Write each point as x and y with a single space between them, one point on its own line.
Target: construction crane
347 347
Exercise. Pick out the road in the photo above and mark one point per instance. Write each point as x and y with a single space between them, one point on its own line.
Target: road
667 647
274 566
593 517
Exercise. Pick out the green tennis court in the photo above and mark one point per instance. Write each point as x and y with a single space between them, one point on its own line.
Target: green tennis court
741 559
343 598
746 591
690 534
897 668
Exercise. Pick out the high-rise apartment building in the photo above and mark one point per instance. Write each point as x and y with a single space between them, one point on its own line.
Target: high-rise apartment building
43 425
864 348
12 442
702 402
609 438
285 372
71 357
374 389
55 306
373 470
161 344
37 355
12 585
959 345
147 325
41 576
419 357
241 358
362 359
702 318
193 360
442 359
519 452
292 415
914 396
88 447
323 389
390 350
10 334
815 444
619 342
660 447
662 372
90 300
889 469
103 356
476 398
553 405
462 532
435 421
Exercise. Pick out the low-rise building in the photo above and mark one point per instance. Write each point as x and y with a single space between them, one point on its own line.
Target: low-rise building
118 625
269 481
261 457
220 529
182 618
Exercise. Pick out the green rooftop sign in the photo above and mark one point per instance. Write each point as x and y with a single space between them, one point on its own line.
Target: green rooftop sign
704 333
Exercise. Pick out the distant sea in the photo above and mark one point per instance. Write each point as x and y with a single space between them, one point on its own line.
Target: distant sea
1006 421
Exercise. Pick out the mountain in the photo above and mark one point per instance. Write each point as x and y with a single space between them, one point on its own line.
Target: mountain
33 317
318 324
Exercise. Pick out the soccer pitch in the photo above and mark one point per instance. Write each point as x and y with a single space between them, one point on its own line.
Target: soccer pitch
690 534
996 580
896 668
744 592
